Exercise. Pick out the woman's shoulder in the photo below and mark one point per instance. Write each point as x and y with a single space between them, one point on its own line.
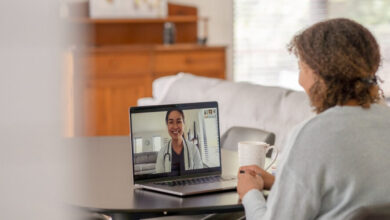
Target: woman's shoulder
339 123
347 116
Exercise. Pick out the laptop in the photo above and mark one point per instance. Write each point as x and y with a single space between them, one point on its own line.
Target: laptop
176 149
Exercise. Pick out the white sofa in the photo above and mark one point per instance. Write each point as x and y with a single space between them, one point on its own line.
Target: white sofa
272 109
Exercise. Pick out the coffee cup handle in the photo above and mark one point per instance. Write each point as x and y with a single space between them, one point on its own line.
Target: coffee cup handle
276 156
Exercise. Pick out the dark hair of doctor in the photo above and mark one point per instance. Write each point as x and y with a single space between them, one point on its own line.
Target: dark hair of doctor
171 110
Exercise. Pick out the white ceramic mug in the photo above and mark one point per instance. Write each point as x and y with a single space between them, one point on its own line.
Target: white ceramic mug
253 153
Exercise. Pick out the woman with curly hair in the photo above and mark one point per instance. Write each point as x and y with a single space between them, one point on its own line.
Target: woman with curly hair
338 160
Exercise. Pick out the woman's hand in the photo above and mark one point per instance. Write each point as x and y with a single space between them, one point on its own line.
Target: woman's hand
247 181
268 178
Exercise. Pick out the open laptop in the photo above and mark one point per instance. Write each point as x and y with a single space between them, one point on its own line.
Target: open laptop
176 155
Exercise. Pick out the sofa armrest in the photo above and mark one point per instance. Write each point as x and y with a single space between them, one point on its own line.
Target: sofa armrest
161 87
145 167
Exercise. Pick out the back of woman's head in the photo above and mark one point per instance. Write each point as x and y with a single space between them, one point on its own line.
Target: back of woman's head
345 57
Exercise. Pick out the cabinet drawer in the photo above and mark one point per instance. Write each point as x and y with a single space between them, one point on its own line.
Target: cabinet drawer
115 64
189 61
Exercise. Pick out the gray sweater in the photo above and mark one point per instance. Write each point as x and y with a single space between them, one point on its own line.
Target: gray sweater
335 163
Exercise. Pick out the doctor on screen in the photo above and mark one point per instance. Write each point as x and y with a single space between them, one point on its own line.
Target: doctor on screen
178 155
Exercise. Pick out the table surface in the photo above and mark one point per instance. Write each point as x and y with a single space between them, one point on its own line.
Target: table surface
102 179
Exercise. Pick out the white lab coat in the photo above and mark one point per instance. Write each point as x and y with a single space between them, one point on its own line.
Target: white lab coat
163 165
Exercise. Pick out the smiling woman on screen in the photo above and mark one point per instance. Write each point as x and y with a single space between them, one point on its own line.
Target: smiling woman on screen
179 154
337 161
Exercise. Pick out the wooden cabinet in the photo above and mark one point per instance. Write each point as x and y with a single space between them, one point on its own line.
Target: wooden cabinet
104 104
111 79
116 61
208 61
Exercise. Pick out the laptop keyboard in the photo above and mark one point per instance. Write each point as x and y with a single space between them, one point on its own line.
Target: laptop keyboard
195 181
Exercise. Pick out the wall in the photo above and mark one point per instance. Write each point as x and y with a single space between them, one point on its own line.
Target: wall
220 14
33 172
147 138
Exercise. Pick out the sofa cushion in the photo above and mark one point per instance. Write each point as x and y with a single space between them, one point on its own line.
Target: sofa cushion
145 167
145 157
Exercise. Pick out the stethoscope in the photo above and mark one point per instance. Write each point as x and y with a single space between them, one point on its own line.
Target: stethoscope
169 155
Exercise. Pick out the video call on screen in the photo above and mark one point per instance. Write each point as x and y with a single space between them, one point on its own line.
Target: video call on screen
152 140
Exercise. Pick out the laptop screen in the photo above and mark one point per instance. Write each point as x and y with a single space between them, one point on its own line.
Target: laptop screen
175 140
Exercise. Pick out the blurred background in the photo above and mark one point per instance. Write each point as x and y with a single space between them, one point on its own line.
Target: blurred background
73 67
117 53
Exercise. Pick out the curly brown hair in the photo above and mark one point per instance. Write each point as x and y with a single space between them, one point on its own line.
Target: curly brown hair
345 57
